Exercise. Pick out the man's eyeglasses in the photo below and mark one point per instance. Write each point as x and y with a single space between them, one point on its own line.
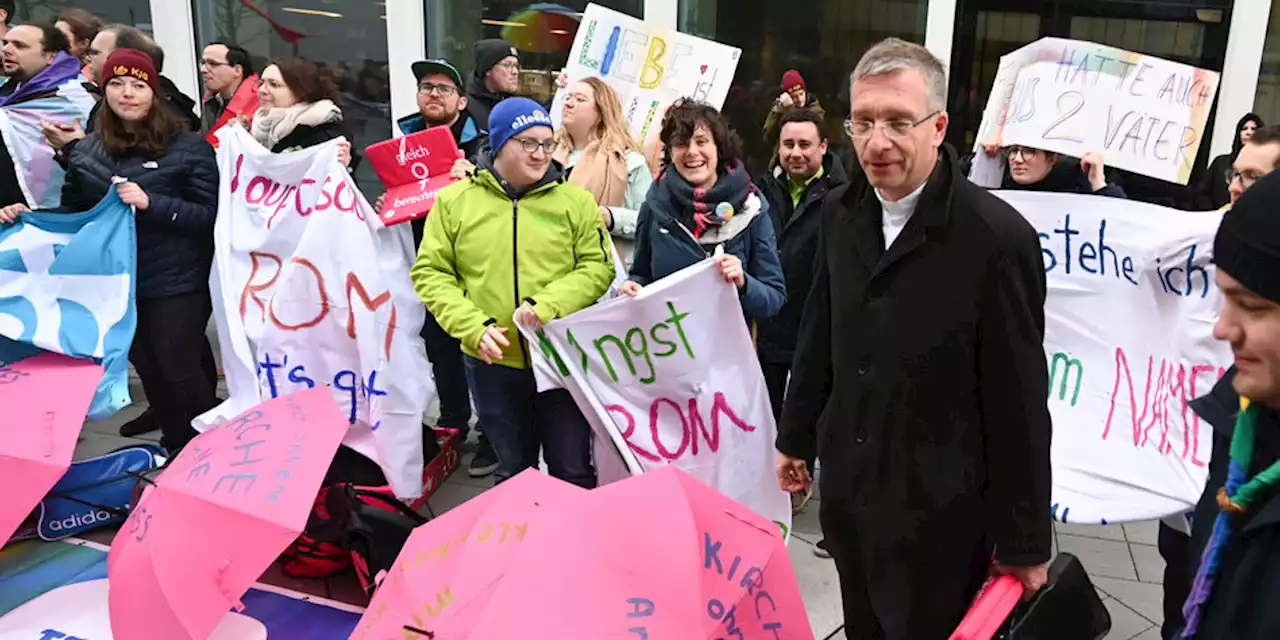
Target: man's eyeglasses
530 145
1247 178
893 129
213 64
508 66
1018 153
444 90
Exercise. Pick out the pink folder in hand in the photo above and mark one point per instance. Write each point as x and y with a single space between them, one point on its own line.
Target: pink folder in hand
990 609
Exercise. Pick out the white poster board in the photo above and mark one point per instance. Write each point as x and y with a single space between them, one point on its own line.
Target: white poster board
309 288
671 377
648 65
1129 342
1143 114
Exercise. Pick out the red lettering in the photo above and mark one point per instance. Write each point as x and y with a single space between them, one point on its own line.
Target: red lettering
279 204
326 200
654 411
354 284
297 197
721 406
324 300
235 177
1122 362
1157 403
350 208
1171 384
271 200
251 290
630 429
265 187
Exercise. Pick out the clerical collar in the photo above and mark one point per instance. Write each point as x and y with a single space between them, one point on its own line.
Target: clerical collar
902 208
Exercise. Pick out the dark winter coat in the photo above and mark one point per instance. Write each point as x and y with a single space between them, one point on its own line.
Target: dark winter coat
1242 606
480 101
797 229
307 136
1212 191
1065 177
920 382
665 244
175 235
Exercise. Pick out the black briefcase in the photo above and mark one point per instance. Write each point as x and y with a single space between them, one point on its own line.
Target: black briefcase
1067 608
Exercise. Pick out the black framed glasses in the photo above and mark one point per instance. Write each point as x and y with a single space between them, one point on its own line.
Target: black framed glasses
1247 178
445 90
530 145
1019 152
893 129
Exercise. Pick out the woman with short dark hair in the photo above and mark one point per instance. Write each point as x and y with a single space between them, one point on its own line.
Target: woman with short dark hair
170 178
703 199
299 109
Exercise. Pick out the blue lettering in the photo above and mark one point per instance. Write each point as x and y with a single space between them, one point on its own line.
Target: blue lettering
298 375
350 387
1051 260
1091 256
50 634
270 368
712 553
1181 280
1066 232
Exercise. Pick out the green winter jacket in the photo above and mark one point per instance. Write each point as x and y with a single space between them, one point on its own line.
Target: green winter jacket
486 250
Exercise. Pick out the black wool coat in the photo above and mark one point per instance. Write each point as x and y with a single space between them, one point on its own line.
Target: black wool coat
175 235
797 229
920 382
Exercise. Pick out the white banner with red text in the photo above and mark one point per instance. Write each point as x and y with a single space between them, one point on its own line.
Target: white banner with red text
1129 319
309 288
671 377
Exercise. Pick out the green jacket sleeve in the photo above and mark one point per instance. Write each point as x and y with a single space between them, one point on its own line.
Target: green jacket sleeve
435 276
592 269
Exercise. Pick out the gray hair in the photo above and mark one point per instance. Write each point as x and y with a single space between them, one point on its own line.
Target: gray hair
892 55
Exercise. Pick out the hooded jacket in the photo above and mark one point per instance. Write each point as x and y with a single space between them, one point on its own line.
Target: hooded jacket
1213 191
480 101
665 244
488 249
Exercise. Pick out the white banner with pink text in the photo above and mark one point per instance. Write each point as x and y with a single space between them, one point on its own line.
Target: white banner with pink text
309 288
671 377
1132 301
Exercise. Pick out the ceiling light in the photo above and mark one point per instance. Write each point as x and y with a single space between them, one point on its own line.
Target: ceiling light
503 23
312 12
560 32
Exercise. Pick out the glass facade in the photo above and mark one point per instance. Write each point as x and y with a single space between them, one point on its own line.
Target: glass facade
136 13
345 38
822 39
542 32
1266 102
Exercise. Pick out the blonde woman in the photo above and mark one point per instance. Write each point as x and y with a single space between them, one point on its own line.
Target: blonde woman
598 151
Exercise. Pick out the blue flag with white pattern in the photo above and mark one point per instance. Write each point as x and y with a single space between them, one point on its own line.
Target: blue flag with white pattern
67 285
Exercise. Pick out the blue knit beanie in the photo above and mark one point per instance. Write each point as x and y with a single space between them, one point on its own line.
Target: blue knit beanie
511 116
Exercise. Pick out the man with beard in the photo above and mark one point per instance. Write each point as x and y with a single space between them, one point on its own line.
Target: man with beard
42 84
441 103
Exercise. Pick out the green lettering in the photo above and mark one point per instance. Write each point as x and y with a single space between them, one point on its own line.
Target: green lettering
550 352
582 352
642 350
675 319
1068 364
671 346
622 348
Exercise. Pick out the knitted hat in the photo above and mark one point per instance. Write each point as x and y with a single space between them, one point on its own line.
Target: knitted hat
490 52
131 63
1247 246
512 116
791 80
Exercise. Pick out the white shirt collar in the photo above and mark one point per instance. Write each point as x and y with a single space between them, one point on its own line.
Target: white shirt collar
902 209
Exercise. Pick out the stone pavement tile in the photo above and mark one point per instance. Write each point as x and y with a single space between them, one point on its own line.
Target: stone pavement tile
1125 624
1099 531
1149 563
819 586
1105 558
1142 532
453 493
1147 600
805 525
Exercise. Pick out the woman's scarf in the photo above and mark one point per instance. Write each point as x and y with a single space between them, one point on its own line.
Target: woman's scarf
700 209
600 171
1240 493
270 126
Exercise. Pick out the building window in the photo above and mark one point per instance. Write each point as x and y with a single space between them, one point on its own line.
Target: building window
135 13
344 38
822 39
1266 102
542 32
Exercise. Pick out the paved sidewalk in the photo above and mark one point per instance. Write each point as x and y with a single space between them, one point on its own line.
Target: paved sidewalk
1122 560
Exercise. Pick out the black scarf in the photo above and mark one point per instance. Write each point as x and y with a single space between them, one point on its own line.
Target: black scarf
698 209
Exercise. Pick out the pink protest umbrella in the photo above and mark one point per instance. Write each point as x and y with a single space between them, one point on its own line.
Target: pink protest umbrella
44 399
443 578
219 515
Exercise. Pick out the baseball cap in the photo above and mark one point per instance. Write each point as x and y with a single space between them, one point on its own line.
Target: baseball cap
437 65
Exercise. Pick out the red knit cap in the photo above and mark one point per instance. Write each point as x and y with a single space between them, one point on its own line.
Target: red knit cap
133 64
791 79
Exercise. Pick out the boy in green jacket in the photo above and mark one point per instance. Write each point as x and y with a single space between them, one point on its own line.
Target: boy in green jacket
515 242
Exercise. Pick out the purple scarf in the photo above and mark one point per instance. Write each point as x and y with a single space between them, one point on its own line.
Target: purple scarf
63 69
